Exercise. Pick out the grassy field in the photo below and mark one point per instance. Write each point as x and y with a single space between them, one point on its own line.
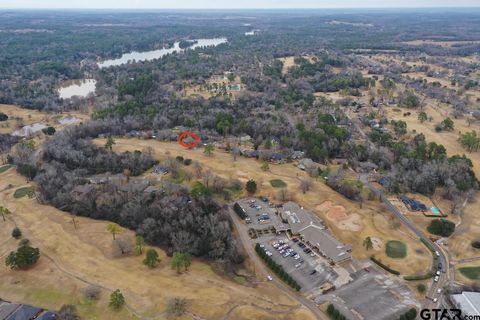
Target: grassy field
375 220
22 192
472 273
278 183
5 168
74 258
19 117
396 249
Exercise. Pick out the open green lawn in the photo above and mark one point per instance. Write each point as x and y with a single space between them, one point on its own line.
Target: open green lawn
472 273
396 249
5 168
277 183
22 192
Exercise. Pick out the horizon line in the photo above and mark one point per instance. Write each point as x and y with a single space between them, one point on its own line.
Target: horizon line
250 8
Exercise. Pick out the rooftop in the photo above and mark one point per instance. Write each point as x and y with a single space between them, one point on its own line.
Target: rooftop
469 302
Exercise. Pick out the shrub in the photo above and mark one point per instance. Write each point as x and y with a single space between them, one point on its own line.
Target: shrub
92 292
16 233
384 266
251 186
151 258
116 299
187 162
23 258
179 158
177 307
239 211
24 242
476 244
3 116
49 131
67 312
441 227
421 288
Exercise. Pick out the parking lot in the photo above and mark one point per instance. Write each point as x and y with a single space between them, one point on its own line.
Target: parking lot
303 265
260 213
372 296
298 261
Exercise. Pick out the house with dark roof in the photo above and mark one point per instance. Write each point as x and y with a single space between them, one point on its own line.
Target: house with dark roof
14 311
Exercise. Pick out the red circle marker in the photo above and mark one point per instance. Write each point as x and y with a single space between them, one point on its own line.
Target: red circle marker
196 139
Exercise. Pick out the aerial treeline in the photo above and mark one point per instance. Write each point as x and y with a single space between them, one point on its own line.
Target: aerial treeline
166 216
418 166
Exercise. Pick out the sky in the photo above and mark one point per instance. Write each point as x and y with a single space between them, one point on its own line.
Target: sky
229 4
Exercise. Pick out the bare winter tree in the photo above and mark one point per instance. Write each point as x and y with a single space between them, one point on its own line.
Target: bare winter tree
305 184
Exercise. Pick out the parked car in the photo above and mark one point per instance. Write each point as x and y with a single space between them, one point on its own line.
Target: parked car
269 278
312 254
313 272
295 239
439 291
286 254
435 279
268 253
298 265
296 257
437 253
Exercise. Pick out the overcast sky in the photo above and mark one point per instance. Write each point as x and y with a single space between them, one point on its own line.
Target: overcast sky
230 4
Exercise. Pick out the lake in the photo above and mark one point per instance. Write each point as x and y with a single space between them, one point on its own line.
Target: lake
156 54
79 88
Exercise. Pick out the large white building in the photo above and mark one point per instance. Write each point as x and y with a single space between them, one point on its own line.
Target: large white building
468 302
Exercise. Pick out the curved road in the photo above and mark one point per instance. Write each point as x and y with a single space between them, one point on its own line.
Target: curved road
264 271
442 257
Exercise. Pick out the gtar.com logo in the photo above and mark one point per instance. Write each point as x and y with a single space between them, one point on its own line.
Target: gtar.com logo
445 314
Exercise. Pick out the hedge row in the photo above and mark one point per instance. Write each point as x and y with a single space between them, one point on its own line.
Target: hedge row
239 211
278 269
334 313
424 276
384 266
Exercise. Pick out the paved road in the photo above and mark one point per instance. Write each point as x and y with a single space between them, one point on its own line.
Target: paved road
443 257
263 271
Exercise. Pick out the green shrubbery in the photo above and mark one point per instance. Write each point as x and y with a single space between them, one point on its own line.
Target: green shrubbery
278 269
334 313
239 211
384 266
409 315
441 227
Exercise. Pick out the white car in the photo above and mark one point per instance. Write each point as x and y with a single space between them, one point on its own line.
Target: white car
439 291
269 278
435 299
268 253
262 246
312 254
296 257
437 253
435 279
438 273
298 265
